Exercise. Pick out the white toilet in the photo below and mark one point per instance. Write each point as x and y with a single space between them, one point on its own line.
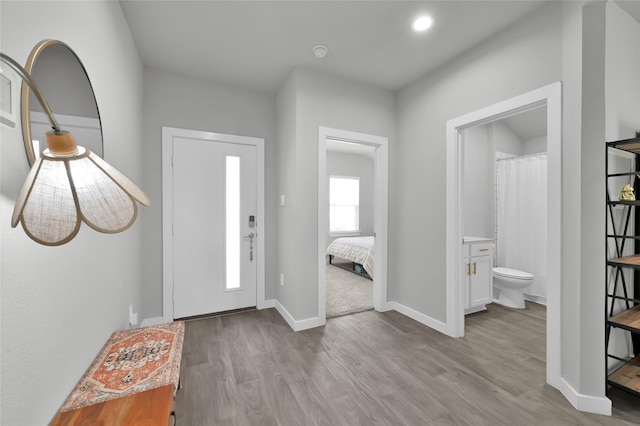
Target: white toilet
510 284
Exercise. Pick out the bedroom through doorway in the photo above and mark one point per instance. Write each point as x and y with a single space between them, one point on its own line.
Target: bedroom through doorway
349 267
352 223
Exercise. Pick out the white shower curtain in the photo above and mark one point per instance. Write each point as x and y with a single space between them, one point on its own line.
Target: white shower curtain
521 228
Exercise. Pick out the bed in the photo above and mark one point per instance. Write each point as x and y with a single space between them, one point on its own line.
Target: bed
358 250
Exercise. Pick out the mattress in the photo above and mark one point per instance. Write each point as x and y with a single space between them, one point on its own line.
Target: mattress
355 249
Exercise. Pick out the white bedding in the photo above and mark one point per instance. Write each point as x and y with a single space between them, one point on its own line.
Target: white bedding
355 249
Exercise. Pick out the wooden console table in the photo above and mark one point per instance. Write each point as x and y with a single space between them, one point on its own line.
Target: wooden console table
133 378
149 408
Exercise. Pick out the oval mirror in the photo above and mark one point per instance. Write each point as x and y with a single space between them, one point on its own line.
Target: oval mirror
65 84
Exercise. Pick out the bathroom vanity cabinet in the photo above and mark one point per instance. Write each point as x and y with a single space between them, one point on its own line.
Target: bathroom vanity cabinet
478 270
622 316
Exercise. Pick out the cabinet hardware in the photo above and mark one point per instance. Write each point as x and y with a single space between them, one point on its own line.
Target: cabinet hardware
468 269
475 271
484 249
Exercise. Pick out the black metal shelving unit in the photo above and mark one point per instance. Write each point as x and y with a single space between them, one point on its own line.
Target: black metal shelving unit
622 310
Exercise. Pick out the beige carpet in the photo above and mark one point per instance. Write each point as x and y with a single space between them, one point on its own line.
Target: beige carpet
347 293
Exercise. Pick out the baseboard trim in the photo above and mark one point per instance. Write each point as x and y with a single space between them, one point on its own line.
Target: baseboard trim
541 300
586 403
305 324
152 321
386 306
475 309
420 317
296 325
269 303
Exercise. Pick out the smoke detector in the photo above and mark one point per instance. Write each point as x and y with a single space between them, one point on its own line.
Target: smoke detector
320 51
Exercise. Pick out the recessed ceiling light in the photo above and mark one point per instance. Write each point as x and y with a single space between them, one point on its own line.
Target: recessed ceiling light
422 23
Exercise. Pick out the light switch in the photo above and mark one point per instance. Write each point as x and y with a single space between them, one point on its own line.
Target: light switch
282 201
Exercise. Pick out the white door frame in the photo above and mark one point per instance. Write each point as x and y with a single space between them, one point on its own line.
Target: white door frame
168 136
381 209
551 96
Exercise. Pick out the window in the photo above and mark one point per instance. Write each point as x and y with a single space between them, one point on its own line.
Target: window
344 204
232 217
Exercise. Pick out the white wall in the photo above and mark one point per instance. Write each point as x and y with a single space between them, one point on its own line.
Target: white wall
480 146
314 100
534 145
60 304
589 293
571 158
354 165
522 58
287 110
505 139
622 74
178 101
476 204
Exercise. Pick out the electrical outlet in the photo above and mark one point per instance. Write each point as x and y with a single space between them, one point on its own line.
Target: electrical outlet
133 317
282 280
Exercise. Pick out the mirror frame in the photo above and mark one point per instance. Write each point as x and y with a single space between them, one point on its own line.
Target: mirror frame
25 95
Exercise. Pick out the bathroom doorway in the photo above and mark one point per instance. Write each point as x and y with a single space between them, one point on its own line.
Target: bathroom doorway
549 97
505 198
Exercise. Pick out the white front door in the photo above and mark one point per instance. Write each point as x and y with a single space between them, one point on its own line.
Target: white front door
214 226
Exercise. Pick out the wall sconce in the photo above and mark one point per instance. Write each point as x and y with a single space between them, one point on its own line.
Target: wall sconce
69 184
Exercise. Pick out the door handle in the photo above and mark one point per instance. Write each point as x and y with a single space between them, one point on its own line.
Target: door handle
250 238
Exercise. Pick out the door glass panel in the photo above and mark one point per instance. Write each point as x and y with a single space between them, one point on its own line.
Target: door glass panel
233 234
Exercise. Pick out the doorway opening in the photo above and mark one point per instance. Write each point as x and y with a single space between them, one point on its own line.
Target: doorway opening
504 209
549 96
349 272
376 147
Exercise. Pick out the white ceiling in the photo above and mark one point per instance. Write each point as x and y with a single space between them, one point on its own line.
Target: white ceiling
255 44
528 125
632 7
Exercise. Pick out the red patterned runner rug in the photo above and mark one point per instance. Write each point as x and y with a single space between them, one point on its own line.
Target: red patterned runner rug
131 361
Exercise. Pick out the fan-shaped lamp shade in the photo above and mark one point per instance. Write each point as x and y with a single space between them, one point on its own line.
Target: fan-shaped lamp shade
69 184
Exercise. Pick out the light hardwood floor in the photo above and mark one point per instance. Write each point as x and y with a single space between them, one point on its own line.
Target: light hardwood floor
371 368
